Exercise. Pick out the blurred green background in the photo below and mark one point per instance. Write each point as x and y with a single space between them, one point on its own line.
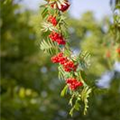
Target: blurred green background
30 89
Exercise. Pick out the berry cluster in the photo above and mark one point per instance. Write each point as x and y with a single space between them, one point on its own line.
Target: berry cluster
54 36
108 54
118 50
62 7
73 83
52 20
68 65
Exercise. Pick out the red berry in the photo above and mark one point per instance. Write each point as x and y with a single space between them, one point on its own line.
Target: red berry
73 83
69 66
52 20
57 37
60 54
54 59
52 5
64 6
63 60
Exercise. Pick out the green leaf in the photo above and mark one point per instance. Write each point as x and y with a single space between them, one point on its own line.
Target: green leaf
83 60
75 107
71 111
62 74
44 12
84 96
71 100
67 51
48 47
83 74
48 27
64 91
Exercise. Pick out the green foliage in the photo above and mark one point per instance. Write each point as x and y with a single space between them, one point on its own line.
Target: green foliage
62 74
44 12
29 85
75 107
48 27
84 96
64 91
83 60
49 47
115 28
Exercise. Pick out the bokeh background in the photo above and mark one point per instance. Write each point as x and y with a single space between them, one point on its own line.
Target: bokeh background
30 88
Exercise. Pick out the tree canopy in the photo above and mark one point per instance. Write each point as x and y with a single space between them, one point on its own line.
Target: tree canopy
30 89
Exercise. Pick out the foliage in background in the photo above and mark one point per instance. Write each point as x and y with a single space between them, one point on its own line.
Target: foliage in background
29 86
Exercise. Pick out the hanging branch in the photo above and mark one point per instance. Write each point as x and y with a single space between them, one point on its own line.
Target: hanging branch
70 67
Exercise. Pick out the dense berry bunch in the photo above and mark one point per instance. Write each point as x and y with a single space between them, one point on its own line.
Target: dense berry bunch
68 65
73 83
52 20
54 36
59 58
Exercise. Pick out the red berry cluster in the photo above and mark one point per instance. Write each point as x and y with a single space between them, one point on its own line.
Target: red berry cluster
108 54
62 7
118 50
54 36
73 83
68 65
52 20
